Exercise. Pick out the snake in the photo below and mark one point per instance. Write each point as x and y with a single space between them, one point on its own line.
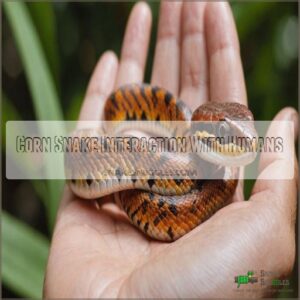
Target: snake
165 209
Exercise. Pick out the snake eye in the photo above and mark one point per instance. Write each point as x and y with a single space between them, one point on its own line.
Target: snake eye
223 129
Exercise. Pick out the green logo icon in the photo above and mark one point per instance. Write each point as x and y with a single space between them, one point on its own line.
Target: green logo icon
245 279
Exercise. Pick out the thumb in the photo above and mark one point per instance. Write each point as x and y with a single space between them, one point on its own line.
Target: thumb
280 164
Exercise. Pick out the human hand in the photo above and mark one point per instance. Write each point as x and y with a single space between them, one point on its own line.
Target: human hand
98 253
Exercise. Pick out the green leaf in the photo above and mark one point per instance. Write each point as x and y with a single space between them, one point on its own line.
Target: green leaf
39 78
41 84
43 16
73 111
9 112
24 257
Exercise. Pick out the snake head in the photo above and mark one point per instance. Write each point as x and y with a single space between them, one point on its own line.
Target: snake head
226 133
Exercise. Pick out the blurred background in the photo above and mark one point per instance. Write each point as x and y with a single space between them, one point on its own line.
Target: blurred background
48 53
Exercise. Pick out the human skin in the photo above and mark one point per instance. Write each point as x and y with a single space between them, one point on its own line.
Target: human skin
95 252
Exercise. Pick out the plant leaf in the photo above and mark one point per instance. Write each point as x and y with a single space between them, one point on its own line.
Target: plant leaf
39 78
43 16
24 257
41 84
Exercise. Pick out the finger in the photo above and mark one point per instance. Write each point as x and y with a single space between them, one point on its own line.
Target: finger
135 45
226 79
100 86
194 76
225 66
280 164
284 130
167 53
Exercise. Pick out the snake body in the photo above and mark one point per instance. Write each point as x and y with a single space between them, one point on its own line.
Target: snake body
163 209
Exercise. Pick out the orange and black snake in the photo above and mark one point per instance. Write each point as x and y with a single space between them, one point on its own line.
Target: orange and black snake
164 209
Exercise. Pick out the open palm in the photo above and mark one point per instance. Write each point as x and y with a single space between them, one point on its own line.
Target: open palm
96 252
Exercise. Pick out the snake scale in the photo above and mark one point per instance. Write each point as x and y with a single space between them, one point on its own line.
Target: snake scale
159 213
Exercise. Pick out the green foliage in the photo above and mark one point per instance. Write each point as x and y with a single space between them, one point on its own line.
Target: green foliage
43 17
40 81
9 112
24 257
39 78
